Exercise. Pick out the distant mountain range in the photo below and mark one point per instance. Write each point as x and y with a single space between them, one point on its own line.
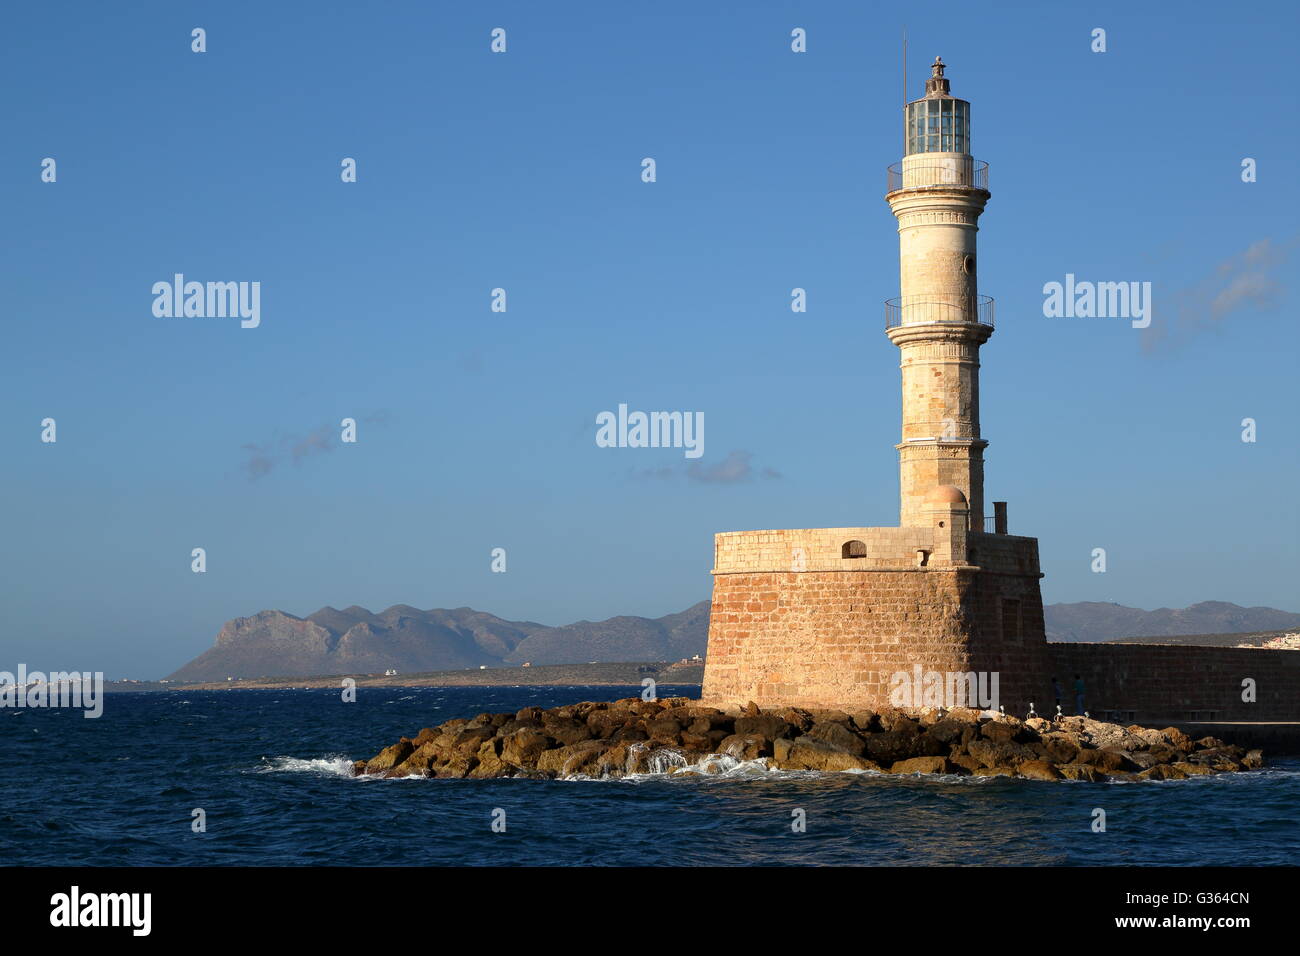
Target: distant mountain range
1092 621
406 639
356 641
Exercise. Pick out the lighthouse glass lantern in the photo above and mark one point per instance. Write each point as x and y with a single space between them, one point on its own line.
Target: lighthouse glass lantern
938 124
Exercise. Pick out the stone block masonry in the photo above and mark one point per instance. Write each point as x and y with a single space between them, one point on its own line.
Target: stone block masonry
1179 682
822 618
834 634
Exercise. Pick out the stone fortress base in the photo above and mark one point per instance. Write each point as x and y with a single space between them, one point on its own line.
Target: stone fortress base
823 618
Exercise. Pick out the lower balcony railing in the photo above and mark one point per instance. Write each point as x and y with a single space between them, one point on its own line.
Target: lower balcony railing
912 310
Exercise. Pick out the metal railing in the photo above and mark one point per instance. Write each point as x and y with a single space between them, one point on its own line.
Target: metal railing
965 171
990 524
915 310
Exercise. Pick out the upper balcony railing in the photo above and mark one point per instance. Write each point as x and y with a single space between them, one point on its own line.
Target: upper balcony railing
923 310
948 171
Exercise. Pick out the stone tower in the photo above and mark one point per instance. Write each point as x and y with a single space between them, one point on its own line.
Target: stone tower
831 617
826 617
939 321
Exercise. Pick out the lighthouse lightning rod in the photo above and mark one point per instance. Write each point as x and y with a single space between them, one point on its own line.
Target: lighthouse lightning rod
904 89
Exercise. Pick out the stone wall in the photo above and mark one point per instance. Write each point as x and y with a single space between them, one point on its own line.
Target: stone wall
796 622
1176 681
835 638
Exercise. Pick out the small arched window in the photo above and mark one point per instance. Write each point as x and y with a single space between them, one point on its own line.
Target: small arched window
854 549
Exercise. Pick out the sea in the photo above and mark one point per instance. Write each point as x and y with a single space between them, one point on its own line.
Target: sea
261 777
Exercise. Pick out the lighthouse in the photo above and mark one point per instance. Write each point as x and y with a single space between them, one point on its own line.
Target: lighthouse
939 320
827 617
832 618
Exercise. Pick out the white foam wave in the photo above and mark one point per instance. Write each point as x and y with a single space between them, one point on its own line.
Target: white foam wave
334 765
673 763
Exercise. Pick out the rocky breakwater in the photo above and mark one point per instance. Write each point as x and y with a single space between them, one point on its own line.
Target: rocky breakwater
678 735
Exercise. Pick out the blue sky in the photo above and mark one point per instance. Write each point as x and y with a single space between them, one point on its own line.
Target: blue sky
522 171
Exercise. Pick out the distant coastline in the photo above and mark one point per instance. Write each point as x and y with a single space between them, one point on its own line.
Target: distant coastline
620 674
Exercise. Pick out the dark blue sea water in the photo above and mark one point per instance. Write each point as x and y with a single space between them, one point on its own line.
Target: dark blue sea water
269 769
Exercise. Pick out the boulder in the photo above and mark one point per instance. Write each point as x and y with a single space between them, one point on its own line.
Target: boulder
992 754
419 764
946 731
1059 748
1106 736
806 753
490 763
513 724
746 746
964 715
1037 770
928 745
769 725
798 718
925 765
927 716
390 757
965 761
603 723
889 746
664 730
1144 758
895 720
458 766
720 721
567 730
424 736
572 759
471 738
696 743
1163 772
999 731
1107 761
1081 771
614 761
630 733
522 748
838 735
865 721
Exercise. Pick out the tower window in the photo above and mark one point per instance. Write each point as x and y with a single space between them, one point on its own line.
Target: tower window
854 549
968 265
